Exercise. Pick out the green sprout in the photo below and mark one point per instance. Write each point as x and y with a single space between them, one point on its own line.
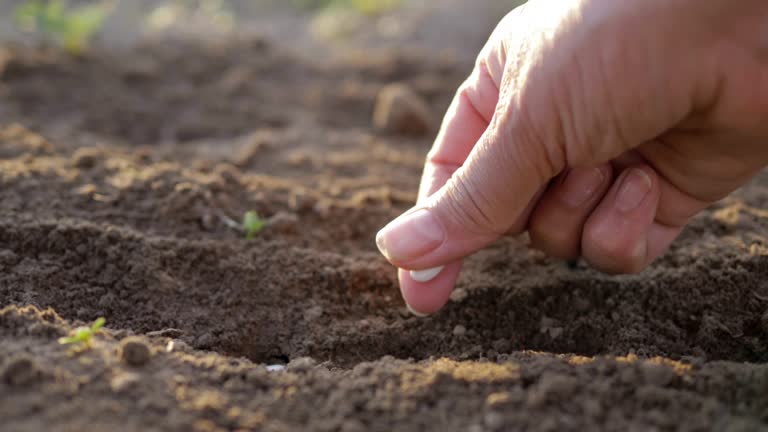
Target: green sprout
70 27
83 335
252 224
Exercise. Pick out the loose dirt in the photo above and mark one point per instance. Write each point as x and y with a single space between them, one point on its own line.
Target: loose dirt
118 169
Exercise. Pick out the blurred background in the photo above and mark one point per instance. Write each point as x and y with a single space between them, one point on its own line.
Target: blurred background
315 27
152 72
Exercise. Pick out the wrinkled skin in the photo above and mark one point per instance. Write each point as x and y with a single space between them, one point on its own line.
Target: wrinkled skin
600 127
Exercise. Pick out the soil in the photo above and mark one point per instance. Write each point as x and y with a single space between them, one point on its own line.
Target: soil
119 170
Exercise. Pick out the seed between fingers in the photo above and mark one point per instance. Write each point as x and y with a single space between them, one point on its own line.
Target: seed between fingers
426 275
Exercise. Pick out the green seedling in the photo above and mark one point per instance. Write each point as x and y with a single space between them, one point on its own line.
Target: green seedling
83 336
68 26
252 224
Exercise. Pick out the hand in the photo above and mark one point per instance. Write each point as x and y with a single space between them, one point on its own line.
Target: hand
600 127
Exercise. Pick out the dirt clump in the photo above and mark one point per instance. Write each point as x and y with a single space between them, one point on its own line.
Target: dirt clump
20 371
399 110
134 351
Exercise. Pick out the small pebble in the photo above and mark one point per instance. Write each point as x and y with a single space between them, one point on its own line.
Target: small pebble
20 371
275 367
459 330
458 295
555 332
85 157
134 351
400 110
204 341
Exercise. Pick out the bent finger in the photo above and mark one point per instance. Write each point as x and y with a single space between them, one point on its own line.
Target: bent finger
557 223
615 237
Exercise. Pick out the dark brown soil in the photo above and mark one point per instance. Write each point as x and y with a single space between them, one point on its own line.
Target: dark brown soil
118 170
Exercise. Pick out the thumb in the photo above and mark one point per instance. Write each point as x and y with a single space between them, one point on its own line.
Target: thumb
490 195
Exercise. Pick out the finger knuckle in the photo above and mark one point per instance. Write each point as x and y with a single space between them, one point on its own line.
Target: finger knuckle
468 207
527 146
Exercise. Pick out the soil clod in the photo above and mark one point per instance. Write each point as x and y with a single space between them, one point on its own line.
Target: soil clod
135 351
459 330
400 110
20 371
85 157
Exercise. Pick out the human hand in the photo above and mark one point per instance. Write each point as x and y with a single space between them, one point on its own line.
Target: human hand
600 127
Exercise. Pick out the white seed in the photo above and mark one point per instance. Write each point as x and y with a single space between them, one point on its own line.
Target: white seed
459 330
426 275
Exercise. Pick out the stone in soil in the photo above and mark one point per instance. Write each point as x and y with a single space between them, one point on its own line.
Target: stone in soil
20 371
134 351
399 110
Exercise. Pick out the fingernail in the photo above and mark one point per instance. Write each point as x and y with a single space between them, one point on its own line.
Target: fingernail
635 185
418 314
580 185
410 236
426 275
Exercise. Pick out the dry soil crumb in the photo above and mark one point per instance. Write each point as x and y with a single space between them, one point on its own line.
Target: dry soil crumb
134 351
20 371
399 110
